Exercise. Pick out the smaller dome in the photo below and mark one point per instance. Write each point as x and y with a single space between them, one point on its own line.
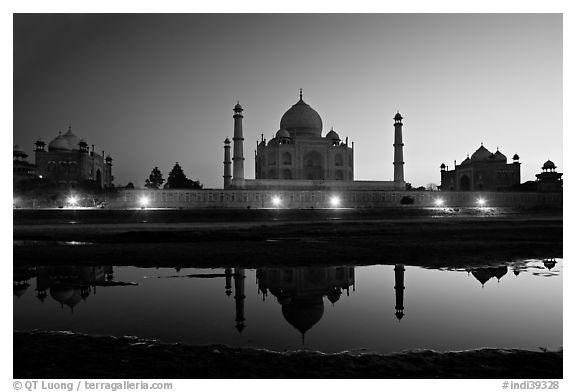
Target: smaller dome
548 165
332 135
498 156
466 161
227 141
59 144
282 133
515 157
442 166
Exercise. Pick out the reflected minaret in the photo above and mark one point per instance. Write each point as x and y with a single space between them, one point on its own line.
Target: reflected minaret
238 158
239 297
399 288
228 272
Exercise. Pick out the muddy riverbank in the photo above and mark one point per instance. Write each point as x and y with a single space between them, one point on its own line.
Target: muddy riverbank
66 355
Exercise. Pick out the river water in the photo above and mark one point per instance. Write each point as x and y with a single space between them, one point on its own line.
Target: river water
379 308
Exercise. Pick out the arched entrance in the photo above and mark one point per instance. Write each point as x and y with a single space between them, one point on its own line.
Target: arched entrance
313 168
464 183
99 178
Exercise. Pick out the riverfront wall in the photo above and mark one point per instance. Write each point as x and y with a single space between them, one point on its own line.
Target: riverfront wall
229 198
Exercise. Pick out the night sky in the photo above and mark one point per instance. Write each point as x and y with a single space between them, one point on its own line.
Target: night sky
152 90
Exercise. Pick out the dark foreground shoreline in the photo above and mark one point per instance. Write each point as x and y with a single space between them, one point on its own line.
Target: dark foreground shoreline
67 355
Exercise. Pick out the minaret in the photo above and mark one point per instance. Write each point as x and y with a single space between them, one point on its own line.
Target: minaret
239 297
227 164
398 149
238 139
399 288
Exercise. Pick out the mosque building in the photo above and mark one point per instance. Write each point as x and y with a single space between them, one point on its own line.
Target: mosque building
483 171
299 157
69 161
21 168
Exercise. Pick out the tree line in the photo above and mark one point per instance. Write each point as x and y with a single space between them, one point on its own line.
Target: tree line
176 179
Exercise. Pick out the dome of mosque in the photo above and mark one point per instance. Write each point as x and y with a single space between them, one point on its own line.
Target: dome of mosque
302 119
71 139
481 154
59 144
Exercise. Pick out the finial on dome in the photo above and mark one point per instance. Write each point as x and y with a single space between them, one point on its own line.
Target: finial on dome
300 94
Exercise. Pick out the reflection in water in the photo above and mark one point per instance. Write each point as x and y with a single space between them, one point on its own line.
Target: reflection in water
300 293
399 288
483 275
68 285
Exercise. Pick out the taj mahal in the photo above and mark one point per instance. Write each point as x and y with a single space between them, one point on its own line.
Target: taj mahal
300 157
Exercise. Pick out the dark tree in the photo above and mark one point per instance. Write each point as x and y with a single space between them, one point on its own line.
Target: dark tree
178 180
155 180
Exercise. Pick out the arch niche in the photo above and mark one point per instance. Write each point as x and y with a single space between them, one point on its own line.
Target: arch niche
313 167
465 183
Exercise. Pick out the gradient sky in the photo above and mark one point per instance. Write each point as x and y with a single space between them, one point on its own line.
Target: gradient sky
152 90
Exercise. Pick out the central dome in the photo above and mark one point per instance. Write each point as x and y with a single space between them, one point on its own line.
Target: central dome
302 120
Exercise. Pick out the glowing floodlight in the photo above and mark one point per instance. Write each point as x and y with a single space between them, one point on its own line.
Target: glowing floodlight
481 202
72 201
276 201
144 200
439 202
335 201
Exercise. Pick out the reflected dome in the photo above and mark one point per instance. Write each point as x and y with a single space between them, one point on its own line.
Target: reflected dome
304 313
